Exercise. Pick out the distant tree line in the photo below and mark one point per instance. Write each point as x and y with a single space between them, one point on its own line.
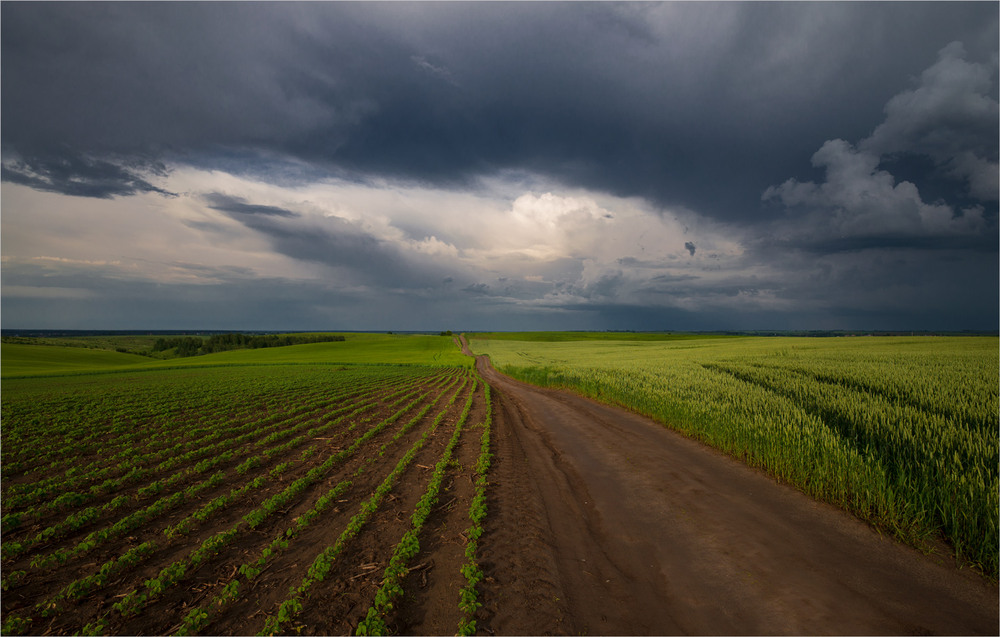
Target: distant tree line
195 346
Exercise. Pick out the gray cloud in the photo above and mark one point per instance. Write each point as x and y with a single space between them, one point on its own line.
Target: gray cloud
477 288
358 256
834 245
239 206
652 100
952 117
951 120
69 173
695 108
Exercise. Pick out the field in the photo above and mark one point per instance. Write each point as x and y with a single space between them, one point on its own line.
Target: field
313 488
902 432
379 485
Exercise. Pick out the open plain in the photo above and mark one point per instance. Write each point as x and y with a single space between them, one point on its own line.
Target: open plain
391 484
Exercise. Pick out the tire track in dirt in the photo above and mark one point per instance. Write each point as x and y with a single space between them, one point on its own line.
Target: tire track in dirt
613 524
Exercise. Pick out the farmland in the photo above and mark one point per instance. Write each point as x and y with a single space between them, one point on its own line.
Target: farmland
379 485
901 432
297 489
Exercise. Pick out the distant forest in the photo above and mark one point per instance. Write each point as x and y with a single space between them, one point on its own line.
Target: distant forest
196 346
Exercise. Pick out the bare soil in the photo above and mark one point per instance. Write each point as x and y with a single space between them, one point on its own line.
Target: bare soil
602 521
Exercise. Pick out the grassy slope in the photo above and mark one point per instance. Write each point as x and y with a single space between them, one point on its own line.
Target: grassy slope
27 360
22 360
361 349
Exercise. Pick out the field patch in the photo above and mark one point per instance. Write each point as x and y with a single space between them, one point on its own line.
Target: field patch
244 498
18 360
377 349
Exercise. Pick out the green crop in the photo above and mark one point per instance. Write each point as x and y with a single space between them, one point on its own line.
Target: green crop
409 544
468 596
90 462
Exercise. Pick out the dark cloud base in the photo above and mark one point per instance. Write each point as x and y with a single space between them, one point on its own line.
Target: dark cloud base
591 94
69 173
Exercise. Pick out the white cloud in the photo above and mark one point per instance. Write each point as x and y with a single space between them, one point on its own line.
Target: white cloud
145 237
948 117
858 199
544 244
440 72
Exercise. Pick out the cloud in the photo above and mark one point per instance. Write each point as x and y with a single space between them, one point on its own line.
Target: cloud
70 173
858 199
439 72
543 164
861 205
239 206
951 117
633 100
356 255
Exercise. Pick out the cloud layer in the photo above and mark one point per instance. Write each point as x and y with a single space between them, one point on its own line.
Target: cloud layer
508 166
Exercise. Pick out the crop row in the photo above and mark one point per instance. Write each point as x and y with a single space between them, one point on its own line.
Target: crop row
61 426
158 448
236 448
132 602
321 565
409 544
182 440
468 602
198 617
59 593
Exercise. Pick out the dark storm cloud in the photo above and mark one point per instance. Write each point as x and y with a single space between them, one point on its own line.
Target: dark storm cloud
69 173
950 119
477 288
845 151
666 101
358 256
233 300
835 245
239 206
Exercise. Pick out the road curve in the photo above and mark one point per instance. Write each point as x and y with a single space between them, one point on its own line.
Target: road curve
605 522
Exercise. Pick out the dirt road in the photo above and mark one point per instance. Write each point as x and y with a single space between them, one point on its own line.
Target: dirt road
605 522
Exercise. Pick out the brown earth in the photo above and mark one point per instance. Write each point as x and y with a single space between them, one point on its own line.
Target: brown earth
605 522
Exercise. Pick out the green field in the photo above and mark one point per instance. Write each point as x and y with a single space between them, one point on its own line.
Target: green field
130 482
565 337
29 360
901 431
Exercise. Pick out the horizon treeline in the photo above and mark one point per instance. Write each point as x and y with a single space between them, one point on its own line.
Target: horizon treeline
196 346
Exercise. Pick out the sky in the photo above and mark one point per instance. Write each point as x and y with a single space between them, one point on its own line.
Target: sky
499 166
